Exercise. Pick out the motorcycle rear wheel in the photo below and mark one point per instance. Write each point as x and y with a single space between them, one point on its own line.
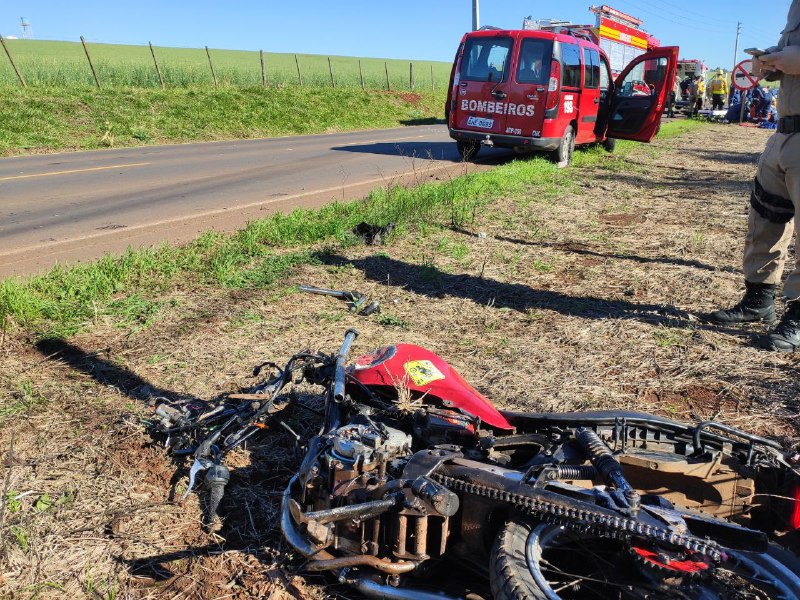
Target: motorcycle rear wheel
539 561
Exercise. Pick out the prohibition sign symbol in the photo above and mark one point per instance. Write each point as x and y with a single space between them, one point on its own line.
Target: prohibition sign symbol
741 78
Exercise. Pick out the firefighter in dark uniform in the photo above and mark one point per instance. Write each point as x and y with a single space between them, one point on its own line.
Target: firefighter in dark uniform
773 203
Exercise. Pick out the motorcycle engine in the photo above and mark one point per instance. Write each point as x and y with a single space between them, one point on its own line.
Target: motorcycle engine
363 463
358 457
363 445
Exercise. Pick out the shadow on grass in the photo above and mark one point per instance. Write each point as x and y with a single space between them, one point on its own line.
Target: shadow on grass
579 248
102 370
105 372
158 568
728 157
152 567
261 480
695 187
430 281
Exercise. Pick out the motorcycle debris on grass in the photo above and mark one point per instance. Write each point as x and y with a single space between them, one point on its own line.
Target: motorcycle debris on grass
413 472
357 302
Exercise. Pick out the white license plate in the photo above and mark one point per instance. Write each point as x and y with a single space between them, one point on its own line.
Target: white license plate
479 122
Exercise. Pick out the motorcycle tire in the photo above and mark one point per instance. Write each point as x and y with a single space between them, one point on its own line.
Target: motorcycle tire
526 553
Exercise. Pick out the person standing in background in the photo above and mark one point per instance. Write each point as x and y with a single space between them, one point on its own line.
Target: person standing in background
718 89
701 93
694 96
685 87
674 94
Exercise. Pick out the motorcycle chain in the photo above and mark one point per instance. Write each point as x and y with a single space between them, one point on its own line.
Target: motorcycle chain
584 519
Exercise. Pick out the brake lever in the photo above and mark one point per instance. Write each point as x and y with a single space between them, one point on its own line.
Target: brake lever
202 460
199 464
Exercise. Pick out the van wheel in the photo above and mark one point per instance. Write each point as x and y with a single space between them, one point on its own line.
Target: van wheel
563 156
609 144
468 149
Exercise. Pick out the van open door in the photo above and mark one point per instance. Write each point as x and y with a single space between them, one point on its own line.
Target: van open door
640 93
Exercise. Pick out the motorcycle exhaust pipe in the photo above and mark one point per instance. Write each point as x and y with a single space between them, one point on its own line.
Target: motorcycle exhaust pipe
361 560
290 533
373 589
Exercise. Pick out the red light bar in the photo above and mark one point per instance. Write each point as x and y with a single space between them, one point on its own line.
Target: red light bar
795 521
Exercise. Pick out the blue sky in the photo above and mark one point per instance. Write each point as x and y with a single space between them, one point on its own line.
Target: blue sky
411 29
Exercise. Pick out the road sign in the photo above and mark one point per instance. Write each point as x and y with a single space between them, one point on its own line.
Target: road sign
741 78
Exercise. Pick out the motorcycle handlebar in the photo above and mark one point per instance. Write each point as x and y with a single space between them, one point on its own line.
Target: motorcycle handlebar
341 358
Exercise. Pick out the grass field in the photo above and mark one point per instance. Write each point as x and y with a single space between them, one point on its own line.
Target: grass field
49 63
41 119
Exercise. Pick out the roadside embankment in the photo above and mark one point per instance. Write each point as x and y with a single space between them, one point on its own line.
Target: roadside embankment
37 120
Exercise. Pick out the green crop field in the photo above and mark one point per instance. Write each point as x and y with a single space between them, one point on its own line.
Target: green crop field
47 63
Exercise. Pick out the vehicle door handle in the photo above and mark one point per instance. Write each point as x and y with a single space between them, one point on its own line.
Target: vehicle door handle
597 100
463 84
499 95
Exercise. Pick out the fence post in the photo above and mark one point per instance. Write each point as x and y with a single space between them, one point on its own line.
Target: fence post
19 75
89 58
386 68
158 69
330 70
211 65
411 76
433 87
361 74
263 70
299 76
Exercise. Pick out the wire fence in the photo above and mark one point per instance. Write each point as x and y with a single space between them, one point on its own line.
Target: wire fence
70 64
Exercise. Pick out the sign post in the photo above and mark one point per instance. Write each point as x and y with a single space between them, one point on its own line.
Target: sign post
743 81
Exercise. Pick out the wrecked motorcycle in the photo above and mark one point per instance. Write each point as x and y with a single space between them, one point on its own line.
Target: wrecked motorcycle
413 470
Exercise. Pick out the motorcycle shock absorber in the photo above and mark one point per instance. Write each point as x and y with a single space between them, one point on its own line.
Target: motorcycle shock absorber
573 472
608 467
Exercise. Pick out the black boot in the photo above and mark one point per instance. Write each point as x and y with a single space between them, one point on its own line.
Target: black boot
758 304
786 335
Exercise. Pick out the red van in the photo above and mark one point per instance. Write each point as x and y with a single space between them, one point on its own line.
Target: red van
534 90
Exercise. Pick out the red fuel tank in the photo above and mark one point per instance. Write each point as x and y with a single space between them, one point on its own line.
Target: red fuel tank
423 371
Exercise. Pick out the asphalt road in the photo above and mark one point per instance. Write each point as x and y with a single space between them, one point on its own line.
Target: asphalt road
68 207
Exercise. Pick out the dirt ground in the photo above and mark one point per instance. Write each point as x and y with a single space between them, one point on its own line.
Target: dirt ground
584 301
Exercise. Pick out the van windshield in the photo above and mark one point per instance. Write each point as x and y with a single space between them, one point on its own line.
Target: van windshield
486 59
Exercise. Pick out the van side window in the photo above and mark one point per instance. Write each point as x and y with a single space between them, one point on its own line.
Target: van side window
591 68
571 58
634 83
486 59
605 74
533 65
